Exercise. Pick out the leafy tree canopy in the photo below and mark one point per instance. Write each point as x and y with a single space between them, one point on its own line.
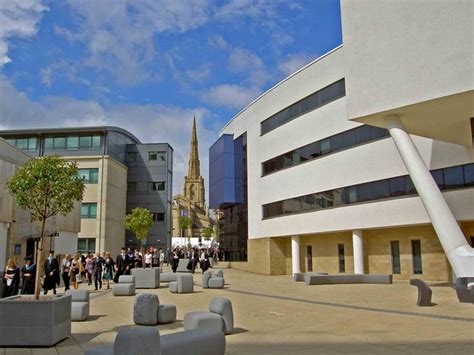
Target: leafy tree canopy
47 186
208 232
139 221
185 222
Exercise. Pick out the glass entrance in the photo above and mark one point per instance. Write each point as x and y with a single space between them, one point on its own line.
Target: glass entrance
309 257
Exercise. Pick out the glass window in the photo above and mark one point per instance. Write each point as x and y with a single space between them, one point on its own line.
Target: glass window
439 178
85 142
152 155
453 177
409 187
86 245
59 142
395 249
84 174
342 261
416 252
469 175
397 186
11 141
48 143
90 176
89 210
325 146
366 192
158 217
95 141
156 186
32 144
132 156
72 143
22 143
381 189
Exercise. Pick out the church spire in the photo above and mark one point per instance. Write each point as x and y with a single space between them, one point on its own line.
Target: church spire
193 164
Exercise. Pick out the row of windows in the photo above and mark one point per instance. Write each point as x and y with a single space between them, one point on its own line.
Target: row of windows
312 102
153 186
395 256
89 210
152 156
25 144
90 176
447 178
340 141
72 142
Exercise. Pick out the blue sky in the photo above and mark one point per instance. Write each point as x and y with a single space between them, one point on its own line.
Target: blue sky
150 65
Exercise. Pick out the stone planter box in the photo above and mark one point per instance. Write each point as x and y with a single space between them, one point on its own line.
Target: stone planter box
147 278
34 322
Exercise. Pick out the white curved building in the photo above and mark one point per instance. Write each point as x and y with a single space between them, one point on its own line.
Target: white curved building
319 172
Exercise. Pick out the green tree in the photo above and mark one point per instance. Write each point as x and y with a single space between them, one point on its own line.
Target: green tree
46 186
185 223
208 232
139 221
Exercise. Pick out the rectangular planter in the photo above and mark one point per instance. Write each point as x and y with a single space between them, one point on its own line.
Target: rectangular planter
147 278
35 322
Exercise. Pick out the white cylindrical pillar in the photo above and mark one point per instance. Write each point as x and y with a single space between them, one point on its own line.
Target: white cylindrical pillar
458 251
295 254
358 250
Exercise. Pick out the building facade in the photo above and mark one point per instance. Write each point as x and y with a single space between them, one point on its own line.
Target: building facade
192 203
361 161
17 233
120 173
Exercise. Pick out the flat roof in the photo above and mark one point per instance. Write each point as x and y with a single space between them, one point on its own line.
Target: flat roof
69 130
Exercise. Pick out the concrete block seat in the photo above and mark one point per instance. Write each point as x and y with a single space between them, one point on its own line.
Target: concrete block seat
183 284
125 286
146 278
79 305
211 280
424 293
166 313
464 291
168 276
183 265
299 276
347 279
219 317
145 309
145 340
217 273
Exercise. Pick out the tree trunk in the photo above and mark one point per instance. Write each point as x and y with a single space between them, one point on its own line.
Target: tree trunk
39 261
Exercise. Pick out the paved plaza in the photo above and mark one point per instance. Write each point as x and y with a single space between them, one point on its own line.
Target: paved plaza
275 315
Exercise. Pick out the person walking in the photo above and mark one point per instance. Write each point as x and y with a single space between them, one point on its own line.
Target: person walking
89 268
148 258
28 276
75 271
122 264
175 260
11 279
97 270
51 273
162 259
65 267
204 260
193 257
108 269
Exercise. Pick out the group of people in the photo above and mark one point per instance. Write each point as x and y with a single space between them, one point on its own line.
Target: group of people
98 268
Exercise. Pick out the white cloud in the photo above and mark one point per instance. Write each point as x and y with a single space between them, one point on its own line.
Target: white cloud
234 96
201 73
241 60
218 41
18 19
293 63
150 123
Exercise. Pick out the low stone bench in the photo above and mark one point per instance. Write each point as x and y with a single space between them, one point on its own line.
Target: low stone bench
166 313
347 279
219 317
463 291
424 293
147 340
125 286
146 278
79 305
183 284
299 276
211 280
145 309
183 265
168 276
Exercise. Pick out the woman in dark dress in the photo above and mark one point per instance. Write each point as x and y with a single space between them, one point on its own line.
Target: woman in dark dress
28 275
11 279
109 267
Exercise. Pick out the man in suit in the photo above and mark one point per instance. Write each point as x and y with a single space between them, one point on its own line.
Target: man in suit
122 264
51 273
97 265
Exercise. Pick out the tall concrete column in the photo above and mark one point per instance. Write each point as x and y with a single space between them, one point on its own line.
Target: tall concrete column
295 254
358 250
458 251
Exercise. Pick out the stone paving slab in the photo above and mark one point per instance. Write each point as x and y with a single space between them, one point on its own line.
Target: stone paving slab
275 315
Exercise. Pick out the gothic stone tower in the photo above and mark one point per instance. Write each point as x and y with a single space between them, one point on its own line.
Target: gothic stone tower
193 182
